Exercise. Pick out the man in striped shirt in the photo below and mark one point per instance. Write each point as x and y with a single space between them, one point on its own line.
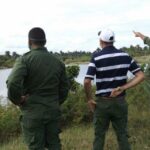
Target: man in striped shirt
110 66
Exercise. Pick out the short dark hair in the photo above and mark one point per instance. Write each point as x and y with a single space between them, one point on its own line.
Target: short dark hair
107 43
37 36
38 43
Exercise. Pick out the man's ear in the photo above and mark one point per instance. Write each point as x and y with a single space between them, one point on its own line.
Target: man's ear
29 44
101 43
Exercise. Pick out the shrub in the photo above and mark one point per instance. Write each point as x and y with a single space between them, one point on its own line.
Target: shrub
9 122
72 73
74 109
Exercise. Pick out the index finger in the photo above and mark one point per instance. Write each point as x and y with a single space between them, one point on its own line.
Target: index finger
134 32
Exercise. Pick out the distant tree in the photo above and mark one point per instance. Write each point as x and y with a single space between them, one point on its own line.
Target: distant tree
7 54
97 50
15 55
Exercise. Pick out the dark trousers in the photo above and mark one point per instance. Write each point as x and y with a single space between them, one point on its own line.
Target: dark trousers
113 110
41 133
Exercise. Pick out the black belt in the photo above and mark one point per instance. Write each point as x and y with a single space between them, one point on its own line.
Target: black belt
111 98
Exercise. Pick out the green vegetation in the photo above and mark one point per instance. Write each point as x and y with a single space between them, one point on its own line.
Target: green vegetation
135 51
72 72
78 60
73 57
9 122
80 137
82 56
76 118
142 59
7 60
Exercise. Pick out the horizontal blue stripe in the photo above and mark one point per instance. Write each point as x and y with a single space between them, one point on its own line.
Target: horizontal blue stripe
111 73
110 84
113 61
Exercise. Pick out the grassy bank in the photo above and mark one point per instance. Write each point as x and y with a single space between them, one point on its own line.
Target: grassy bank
9 123
143 59
77 60
80 137
76 117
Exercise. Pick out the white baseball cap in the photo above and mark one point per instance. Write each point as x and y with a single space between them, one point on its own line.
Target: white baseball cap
107 35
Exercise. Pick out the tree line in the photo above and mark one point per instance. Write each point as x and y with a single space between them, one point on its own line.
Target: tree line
8 59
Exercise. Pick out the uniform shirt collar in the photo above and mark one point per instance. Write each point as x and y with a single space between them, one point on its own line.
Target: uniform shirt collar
40 48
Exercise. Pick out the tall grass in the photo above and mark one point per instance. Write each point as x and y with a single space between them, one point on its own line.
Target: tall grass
9 122
80 135
81 138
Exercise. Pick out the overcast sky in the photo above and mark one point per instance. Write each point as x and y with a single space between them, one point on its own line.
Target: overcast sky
72 24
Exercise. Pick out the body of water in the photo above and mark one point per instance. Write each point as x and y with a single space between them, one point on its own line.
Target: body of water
3 77
3 89
5 72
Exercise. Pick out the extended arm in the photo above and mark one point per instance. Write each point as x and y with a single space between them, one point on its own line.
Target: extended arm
140 35
88 92
146 39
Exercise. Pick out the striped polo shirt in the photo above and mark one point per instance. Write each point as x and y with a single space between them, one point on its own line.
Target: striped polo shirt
110 66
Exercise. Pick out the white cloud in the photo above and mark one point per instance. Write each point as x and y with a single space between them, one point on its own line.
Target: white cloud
71 25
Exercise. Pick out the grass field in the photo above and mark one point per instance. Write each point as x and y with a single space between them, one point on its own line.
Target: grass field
86 59
143 59
81 137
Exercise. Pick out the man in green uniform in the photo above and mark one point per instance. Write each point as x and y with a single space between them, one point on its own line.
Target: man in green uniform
146 39
38 85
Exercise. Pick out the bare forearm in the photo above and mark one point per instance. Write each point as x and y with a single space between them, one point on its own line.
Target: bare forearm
139 34
142 36
139 78
88 90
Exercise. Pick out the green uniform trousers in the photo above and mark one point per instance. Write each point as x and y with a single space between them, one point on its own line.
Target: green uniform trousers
114 110
41 125
41 133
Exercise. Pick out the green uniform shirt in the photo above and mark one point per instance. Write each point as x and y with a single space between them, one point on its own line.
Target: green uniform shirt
147 41
39 74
